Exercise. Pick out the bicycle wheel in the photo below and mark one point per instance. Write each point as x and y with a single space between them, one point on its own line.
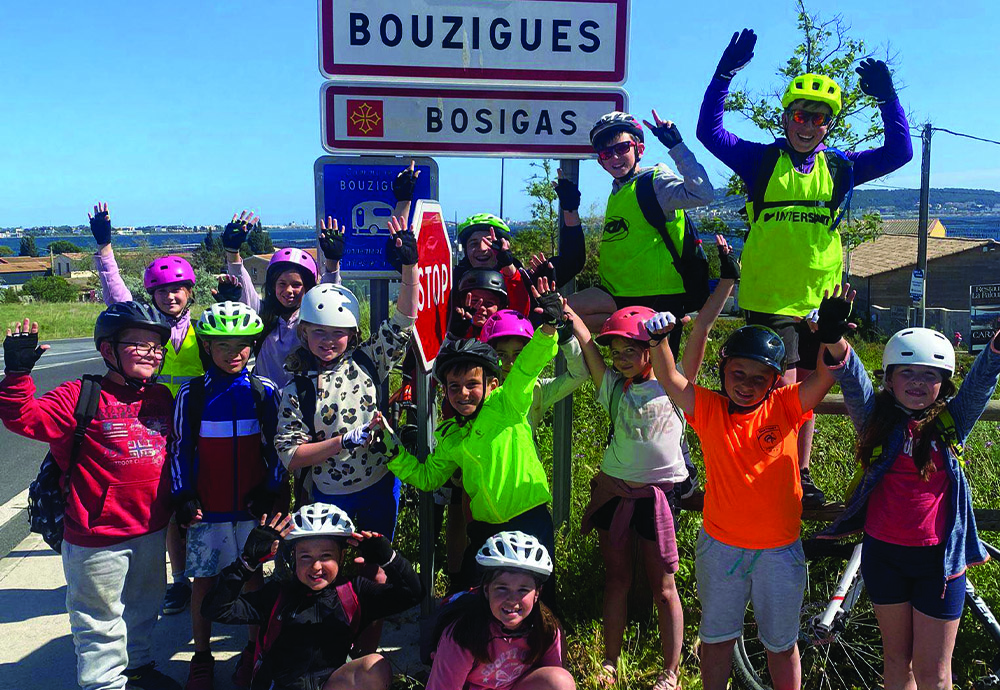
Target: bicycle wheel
848 656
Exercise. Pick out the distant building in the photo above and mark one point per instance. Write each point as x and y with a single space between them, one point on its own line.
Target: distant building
880 271
909 226
17 270
68 265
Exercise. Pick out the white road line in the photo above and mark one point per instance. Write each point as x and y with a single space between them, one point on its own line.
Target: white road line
53 353
66 364
10 509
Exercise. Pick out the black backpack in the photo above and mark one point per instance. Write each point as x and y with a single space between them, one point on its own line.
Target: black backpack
691 262
47 493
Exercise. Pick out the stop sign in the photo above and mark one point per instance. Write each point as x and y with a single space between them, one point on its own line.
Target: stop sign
434 278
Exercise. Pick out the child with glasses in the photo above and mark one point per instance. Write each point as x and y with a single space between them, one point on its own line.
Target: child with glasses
794 187
636 267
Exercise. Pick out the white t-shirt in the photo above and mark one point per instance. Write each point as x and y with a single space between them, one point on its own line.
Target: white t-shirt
646 446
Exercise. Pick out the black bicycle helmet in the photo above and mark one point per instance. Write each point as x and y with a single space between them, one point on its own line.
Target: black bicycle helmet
616 121
122 315
758 343
483 279
467 350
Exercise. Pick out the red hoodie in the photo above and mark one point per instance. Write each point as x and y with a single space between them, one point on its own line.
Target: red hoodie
120 485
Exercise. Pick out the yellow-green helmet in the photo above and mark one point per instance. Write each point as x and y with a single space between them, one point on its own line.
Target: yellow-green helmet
814 87
483 221
229 320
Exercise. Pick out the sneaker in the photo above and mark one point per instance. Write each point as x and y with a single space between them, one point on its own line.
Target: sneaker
812 495
201 675
177 597
244 667
687 487
148 678
667 680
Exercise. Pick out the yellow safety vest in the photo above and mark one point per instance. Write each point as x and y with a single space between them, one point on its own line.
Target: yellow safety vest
181 365
791 256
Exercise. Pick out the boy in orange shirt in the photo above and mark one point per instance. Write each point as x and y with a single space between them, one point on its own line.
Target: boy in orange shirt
749 547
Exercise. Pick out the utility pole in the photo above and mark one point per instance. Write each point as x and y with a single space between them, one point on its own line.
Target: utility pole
502 160
925 189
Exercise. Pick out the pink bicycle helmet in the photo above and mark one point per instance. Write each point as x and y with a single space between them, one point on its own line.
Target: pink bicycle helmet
167 270
627 323
505 323
297 257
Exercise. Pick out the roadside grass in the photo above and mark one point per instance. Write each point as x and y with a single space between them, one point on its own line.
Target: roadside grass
579 567
55 320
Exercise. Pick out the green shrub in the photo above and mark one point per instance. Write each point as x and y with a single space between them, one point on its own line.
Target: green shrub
50 289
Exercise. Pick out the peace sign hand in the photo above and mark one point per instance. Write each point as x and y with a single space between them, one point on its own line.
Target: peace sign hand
664 130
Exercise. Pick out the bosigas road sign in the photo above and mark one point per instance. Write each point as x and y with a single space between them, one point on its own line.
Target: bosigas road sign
530 122
561 41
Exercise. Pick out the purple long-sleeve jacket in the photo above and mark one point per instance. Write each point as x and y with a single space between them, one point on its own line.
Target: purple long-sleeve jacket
114 290
744 157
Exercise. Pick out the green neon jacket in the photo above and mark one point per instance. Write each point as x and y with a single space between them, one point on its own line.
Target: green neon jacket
495 450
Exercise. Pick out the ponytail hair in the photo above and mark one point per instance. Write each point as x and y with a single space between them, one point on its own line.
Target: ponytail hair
887 415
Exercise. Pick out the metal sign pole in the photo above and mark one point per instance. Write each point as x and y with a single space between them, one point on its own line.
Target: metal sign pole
562 413
379 312
425 425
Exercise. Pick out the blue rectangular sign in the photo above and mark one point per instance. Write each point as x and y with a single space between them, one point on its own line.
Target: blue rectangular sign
357 191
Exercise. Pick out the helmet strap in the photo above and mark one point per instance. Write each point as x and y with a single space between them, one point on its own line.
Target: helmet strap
130 381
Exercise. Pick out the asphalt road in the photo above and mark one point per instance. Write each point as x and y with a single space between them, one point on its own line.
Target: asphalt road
20 457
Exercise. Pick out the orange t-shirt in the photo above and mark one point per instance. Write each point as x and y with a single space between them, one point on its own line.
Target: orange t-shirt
753 499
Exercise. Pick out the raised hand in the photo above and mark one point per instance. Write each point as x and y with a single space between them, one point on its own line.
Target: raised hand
237 230
550 304
20 348
375 549
876 81
660 324
263 540
834 310
540 267
401 246
403 185
331 239
729 267
567 191
737 54
229 289
100 224
501 250
664 130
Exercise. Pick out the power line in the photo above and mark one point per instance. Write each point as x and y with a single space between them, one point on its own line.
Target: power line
967 136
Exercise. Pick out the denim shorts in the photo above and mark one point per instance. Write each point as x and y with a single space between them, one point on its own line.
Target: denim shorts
211 546
374 509
911 575
729 578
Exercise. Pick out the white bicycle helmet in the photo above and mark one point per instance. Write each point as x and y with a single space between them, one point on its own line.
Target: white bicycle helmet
320 520
515 550
923 346
330 305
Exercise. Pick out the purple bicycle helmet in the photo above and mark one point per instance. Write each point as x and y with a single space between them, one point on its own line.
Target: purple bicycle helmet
167 270
290 255
506 323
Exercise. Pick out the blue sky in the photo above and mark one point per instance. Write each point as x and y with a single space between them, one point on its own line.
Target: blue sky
183 112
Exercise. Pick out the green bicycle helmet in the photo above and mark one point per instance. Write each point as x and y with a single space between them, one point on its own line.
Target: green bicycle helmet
229 320
483 221
814 87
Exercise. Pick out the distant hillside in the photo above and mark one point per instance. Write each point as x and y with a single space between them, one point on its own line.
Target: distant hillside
945 201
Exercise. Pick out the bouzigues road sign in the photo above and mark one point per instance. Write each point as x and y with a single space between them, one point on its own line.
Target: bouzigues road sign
357 191
562 41
463 121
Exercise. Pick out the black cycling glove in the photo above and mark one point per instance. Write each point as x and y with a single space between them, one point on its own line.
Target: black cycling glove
504 256
235 235
100 228
832 324
228 292
729 267
737 54
668 134
20 352
404 255
568 193
403 185
186 509
257 548
376 550
551 305
876 81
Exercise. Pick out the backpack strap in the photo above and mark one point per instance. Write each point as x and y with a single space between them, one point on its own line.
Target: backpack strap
305 391
194 411
842 171
653 213
617 391
268 422
83 413
367 364
768 160
269 632
949 434
349 601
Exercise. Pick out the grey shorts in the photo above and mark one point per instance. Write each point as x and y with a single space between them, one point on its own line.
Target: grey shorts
729 578
211 546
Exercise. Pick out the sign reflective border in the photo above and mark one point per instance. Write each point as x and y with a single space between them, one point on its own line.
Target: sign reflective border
463 121
561 41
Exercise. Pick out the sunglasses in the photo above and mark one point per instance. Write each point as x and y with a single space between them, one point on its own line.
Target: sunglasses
801 117
619 149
